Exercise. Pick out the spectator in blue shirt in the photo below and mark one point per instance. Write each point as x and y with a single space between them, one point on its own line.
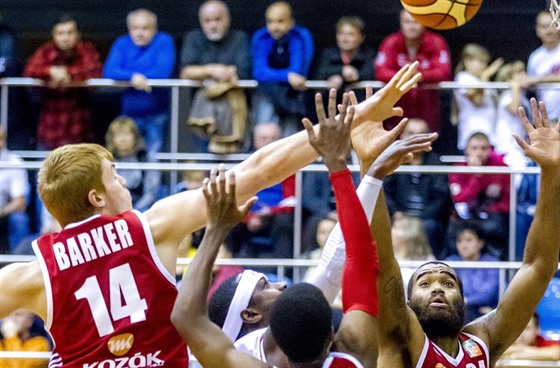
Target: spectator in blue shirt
282 53
481 286
143 54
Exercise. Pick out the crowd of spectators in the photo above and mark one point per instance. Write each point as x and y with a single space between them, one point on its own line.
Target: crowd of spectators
453 217
281 56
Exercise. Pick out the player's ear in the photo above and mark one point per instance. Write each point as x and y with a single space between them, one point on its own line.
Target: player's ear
251 316
95 199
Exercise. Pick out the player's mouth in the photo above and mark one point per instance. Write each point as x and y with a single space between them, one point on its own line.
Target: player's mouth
438 302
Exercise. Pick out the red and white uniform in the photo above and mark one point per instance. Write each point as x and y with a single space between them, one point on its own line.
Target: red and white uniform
473 353
109 297
341 360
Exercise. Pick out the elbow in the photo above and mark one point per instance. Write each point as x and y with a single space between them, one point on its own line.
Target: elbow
178 319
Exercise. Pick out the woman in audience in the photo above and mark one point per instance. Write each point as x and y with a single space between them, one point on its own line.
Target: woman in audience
123 140
410 243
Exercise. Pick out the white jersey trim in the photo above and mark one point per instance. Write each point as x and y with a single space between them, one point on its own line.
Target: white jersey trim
152 248
75 224
46 281
338 354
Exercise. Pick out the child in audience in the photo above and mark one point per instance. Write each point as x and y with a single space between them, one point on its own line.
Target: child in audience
481 285
507 119
476 107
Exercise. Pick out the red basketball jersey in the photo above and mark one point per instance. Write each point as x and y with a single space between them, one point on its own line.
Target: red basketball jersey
341 360
109 297
473 353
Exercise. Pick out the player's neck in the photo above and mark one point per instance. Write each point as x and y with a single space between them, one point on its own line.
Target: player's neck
274 355
449 344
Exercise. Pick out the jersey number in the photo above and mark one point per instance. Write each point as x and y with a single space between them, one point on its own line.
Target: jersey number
123 295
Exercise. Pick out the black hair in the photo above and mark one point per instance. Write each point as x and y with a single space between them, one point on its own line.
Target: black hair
412 279
300 322
221 300
469 225
65 18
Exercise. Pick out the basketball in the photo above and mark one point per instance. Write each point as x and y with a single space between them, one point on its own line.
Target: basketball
442 14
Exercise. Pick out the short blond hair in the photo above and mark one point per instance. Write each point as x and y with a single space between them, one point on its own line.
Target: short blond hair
506 72
66 177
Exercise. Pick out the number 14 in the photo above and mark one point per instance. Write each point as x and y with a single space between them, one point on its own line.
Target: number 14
121 283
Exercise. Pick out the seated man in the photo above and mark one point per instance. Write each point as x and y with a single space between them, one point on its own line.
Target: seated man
349 61
483 197
300 318
65 116
144 53
282 53
219 55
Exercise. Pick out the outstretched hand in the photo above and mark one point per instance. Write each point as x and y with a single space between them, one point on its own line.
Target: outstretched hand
332 141
380 106
400 152
221 205
369 138
544 148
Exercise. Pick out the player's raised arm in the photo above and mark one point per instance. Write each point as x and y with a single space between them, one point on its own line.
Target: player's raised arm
399 330
190 313
516 307
269 165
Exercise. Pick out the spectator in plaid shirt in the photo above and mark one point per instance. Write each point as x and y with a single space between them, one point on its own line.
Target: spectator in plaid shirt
65 115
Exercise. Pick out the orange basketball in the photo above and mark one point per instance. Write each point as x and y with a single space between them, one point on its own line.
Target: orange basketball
442 14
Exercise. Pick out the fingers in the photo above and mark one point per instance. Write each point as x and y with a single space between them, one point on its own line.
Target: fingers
410 72
205 191
344 109
353 98
398 111
319 108
332 105
231 187
535 111
521 142
309 128
524 120
244 209
221 182
369 91
544 115
406 86
350 115
213 175
396 131
397 77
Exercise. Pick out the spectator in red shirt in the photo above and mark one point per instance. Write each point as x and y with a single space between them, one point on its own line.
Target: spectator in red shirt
483 198
413 43
65 115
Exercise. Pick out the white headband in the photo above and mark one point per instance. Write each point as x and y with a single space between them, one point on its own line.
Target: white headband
240 301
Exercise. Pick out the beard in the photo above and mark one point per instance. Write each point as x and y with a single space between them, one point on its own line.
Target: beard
438 322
